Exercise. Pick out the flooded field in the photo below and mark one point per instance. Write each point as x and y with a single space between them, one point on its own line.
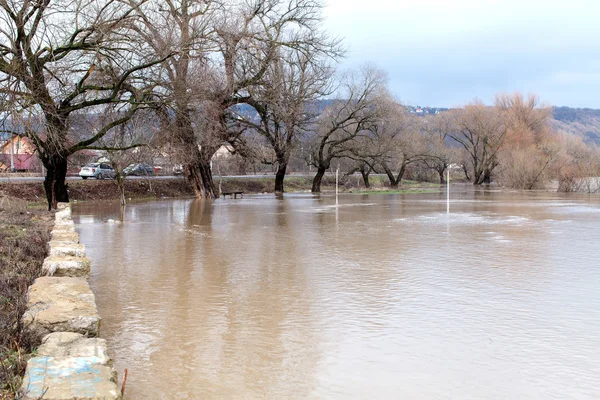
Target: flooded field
381 297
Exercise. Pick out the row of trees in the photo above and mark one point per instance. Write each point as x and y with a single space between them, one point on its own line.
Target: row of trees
188 76
189 61
365 130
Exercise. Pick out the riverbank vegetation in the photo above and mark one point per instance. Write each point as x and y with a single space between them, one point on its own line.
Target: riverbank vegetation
92 190
24 233
204 83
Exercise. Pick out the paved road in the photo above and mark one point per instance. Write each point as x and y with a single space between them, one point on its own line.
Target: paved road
76 178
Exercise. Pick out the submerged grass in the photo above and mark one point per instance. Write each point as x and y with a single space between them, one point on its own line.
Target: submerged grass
93 190
399 191
24 233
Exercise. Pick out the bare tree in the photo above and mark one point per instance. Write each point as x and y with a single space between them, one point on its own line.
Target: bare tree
481 131
60 58
286 106
530 147
361 100
402 144
224 49
577 166
438 155
363 165
129 143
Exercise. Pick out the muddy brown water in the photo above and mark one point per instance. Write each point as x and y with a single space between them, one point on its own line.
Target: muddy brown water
382 297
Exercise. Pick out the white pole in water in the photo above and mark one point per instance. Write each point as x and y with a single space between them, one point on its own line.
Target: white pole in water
448 192
337 171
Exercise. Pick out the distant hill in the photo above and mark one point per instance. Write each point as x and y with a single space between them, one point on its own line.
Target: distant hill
583 122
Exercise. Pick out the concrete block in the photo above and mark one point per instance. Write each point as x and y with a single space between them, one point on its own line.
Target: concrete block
70 366
64 214
70 344
65 236
59 243
61 248
63 229
69 378
61 304
64 224
62 206
62 265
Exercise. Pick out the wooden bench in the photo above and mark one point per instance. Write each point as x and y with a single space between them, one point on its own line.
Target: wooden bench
232 194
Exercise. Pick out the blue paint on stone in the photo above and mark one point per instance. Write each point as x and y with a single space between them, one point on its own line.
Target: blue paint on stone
82 373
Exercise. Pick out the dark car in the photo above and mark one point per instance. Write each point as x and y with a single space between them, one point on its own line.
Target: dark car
141 169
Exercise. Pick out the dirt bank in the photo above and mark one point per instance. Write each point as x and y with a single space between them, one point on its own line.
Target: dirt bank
101 190
160 188
24 232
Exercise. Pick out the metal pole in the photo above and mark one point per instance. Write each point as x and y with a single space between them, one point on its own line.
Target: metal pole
337 171
448 192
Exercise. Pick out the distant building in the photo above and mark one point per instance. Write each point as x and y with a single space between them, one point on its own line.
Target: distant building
24 155
224 151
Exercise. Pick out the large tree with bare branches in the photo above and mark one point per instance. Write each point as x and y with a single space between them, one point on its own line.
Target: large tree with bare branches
223 51
61 58
286 107
481 131
438 155
530 148
349 120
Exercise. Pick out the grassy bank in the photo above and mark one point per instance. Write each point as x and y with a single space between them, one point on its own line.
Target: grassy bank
80 190
24 233
352 184
101 190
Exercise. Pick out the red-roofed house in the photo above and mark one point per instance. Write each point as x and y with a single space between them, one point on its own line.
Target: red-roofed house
24 155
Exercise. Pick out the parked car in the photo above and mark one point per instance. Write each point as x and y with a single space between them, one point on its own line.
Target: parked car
178 169
98 171
141 169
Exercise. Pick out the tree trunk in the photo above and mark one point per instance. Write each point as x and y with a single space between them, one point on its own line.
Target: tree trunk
365 176
121 187
478 178
198 171
199 175
196 159
466 171
54 184
487 177
441 174
316 184
391 177
208 185
400 174
279 177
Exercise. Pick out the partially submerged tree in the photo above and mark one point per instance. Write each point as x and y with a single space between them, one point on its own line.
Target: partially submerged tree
224 49
401 142
438 155
286 105
530 147
59 58
577 166
481 131
352 116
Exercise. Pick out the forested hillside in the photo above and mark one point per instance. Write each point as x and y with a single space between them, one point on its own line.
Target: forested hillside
583 122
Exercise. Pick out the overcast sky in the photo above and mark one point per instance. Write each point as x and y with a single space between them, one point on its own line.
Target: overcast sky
447 52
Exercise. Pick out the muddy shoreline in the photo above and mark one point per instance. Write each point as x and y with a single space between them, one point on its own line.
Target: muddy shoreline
92 190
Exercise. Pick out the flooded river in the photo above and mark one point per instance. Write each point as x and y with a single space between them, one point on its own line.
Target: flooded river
382 297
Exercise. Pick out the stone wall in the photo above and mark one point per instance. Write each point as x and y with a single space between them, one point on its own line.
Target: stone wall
72 362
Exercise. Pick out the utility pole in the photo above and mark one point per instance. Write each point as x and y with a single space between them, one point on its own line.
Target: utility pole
12 153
